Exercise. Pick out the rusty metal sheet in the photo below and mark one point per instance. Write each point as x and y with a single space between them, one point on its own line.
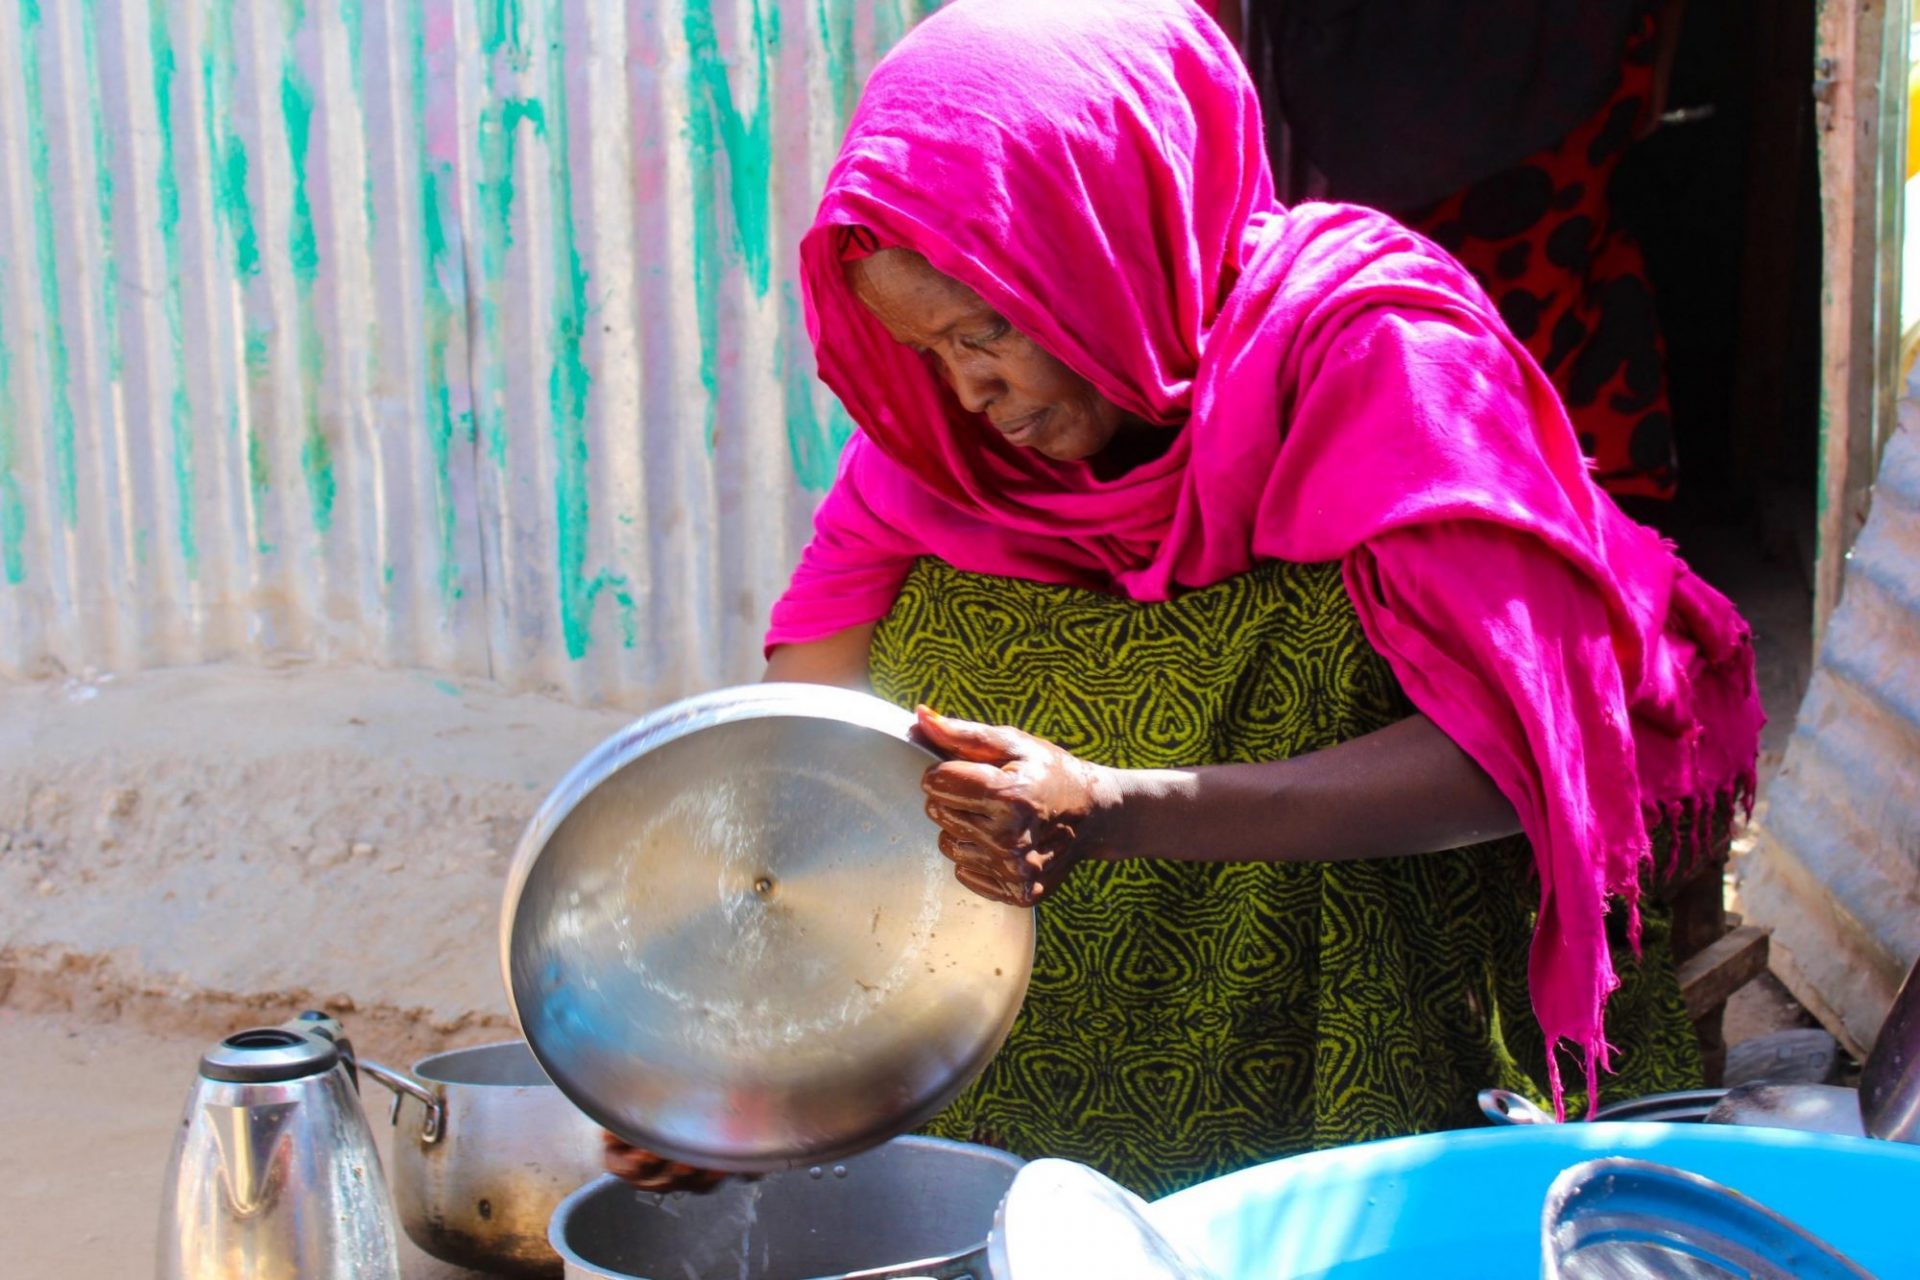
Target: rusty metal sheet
1836 867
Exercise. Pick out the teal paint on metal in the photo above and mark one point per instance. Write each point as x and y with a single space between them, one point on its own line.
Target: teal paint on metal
53 337
440 318
316 463
813 443
259 475
503 29
439 274
13 513
716 127
257 354
496 192
103 192
232 208
353 20
498 134
892 21
889 24
303 255
836 41
745 138
502 418
296 110
167 192
569 385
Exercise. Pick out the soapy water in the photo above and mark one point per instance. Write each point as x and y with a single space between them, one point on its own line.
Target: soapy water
771 933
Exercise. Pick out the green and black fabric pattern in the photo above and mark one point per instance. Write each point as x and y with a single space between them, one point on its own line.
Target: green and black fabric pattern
1188 1019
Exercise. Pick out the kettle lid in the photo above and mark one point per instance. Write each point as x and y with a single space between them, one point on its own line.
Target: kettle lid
269 1055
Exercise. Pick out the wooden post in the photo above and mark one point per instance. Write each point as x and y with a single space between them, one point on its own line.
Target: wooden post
1860 100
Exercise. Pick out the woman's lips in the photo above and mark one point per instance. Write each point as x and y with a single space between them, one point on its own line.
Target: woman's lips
1021 431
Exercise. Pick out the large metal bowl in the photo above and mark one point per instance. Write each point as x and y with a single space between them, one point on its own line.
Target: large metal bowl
730 938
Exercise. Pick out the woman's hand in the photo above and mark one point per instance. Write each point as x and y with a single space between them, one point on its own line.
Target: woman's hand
1016 813
650 1172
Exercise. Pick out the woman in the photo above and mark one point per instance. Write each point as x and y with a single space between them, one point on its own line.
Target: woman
1298 671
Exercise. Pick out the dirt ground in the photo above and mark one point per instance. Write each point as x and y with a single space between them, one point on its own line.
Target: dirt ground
87 1118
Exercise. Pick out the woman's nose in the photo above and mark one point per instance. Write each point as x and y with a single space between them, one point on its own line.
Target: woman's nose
976 388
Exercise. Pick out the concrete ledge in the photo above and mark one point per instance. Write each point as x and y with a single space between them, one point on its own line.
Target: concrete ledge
203 846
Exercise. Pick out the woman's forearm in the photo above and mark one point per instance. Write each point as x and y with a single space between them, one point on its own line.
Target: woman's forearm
1404 789
839 659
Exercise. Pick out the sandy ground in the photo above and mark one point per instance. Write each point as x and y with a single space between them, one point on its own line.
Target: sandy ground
87 1118
197 846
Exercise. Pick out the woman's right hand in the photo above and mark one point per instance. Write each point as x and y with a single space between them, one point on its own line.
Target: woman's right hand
649 1172
1016 813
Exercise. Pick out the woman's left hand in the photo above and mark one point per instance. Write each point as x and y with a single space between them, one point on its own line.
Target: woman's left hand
1016 813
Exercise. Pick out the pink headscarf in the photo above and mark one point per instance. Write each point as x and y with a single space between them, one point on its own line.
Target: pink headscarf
1342 390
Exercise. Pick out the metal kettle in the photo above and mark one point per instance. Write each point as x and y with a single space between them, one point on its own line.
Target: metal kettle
274 1175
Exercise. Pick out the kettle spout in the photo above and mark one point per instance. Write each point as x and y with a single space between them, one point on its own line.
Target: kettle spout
249 1139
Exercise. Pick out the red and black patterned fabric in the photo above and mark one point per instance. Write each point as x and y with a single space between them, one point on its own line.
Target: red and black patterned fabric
1573 286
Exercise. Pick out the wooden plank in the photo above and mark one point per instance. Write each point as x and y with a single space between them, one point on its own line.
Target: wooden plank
1710 976
1859 110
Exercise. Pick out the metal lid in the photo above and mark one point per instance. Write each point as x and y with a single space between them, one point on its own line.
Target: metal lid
1064 1219
1621 1219
730 938
1810 1108
269 1055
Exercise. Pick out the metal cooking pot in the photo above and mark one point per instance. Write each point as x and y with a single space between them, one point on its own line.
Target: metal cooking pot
730 938
919 1207
1688 1106
486 1148
1886 1105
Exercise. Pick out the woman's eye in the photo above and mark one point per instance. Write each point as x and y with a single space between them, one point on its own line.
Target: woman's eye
990 336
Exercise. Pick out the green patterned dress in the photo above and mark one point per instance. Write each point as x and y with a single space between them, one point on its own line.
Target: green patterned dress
1187 1019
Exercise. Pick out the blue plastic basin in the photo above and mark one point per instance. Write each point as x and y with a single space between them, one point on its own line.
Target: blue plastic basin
1467 1204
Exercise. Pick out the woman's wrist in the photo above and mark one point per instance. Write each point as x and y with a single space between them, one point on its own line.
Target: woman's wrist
1132 807
1403 789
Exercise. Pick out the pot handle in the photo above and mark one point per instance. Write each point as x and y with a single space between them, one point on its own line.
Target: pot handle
1503 1106
404 1085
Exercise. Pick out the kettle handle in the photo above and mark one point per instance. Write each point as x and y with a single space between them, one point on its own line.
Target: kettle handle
434 1125
314 1022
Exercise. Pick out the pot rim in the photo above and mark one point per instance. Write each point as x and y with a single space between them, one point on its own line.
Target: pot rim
424 1068
563 1213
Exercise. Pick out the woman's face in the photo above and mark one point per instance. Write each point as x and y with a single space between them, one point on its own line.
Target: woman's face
1030 398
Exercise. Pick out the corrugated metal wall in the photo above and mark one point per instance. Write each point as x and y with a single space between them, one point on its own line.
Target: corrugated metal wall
1836 870
458 334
